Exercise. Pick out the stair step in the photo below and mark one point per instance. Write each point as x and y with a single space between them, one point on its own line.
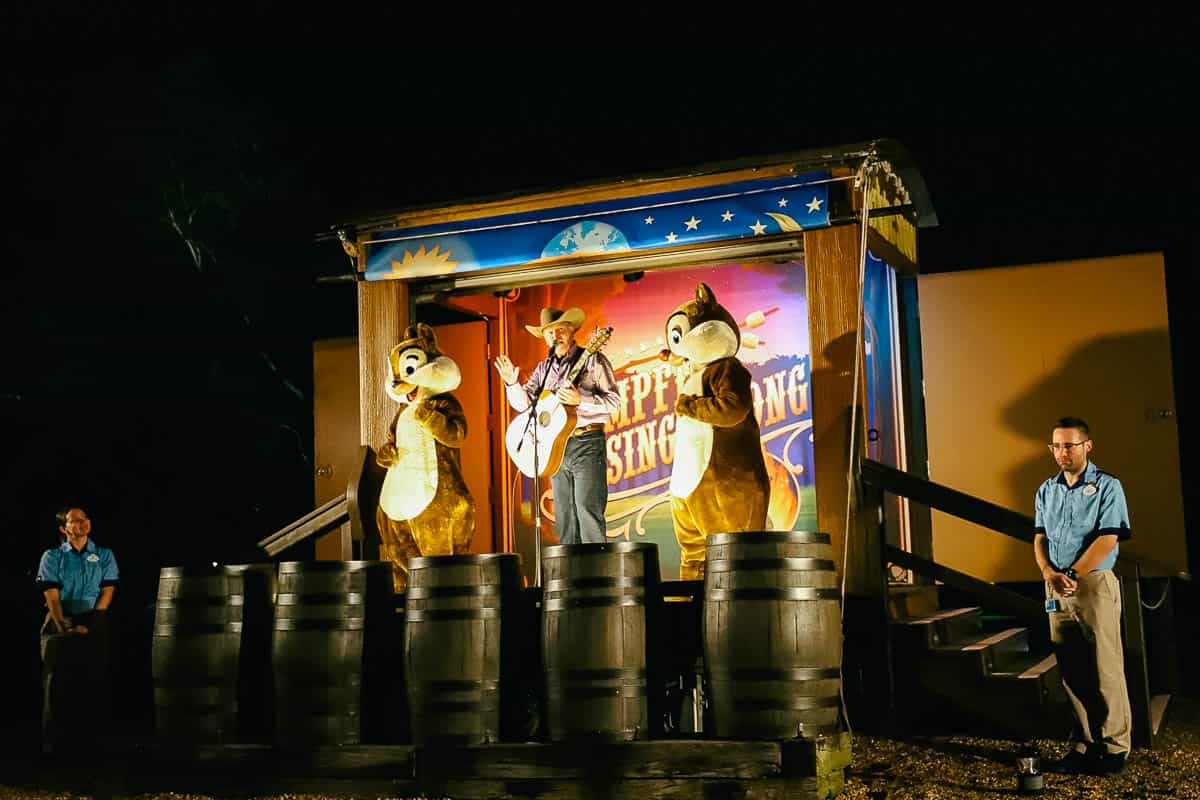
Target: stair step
941 627
995 651
1033 669
1033 679
912 600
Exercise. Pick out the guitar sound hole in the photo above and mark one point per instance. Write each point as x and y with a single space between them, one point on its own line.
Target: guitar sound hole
544 418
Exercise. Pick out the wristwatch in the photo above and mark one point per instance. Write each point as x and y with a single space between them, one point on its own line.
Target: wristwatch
1070 573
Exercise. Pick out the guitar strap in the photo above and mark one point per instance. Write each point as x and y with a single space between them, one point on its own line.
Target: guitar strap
579 353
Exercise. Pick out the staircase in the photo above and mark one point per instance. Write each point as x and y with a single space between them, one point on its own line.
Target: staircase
957 670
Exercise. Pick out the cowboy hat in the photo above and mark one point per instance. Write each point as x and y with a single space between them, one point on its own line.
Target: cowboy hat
553 316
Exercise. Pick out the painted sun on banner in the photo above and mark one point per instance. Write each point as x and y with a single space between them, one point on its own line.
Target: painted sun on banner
770 305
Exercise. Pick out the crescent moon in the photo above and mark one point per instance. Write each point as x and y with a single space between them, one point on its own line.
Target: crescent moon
786 223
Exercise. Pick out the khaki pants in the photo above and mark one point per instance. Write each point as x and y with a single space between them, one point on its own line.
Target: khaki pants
1086 631
75 685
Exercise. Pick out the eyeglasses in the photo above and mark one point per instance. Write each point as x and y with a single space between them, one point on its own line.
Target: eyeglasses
1066 447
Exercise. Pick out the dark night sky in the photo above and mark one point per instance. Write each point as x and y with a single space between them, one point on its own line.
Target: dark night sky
132 382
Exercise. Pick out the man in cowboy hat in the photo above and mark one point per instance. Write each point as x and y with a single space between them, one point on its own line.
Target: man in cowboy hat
580 485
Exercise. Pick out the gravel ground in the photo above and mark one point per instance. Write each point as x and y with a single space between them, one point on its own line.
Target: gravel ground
956 767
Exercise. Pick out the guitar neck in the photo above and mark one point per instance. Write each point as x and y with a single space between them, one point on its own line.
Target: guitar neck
594 346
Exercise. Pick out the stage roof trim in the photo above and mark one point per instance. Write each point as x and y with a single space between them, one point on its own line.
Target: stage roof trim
732 203
605 228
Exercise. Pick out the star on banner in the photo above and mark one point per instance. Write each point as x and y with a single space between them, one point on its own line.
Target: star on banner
814 205
758 228
727 216
783 202
692 223
671 237
649 220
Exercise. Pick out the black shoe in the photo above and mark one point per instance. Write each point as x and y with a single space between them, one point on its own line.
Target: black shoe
1110 763
1076 762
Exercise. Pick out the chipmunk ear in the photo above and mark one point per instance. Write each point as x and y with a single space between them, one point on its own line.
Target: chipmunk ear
428 338
704 295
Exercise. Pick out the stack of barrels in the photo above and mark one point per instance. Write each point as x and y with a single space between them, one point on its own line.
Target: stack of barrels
302 655
473 660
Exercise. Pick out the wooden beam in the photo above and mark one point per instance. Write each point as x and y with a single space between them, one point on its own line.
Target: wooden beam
382 317
334 513
882 248
831 258
607 760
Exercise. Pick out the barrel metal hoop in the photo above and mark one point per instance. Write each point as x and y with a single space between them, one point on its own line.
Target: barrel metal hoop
471 590
195 601
451 706
769 538
804 564
562 603
594 582
622 690
319 598
628 673
430 614
790 703
796 674
344 624
194 628
419 687
770 593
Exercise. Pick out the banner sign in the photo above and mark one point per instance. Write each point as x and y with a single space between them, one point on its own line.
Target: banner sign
662 221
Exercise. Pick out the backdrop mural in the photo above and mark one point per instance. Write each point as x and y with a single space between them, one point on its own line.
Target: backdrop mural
769 302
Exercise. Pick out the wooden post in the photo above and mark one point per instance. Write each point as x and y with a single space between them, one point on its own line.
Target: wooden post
382 317
831 261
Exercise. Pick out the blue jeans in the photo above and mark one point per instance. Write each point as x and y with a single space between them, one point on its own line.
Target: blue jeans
581 491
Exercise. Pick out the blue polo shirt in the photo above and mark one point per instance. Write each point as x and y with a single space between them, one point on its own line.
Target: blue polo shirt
1073 517
78 576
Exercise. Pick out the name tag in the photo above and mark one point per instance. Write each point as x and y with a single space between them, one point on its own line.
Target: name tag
93 558
1089 490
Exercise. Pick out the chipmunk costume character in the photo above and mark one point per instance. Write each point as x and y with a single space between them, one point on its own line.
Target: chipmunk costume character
719 480
424 506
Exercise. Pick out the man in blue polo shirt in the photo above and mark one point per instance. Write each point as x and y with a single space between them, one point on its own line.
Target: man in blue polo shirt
77 579
1080 515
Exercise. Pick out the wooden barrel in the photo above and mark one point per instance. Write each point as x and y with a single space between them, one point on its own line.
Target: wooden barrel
772 635
195 655
594 625
330 653
256 689
461 647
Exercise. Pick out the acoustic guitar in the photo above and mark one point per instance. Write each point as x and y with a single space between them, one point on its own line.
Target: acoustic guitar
555 422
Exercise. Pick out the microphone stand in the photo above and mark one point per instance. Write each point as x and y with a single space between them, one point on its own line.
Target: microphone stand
531 425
